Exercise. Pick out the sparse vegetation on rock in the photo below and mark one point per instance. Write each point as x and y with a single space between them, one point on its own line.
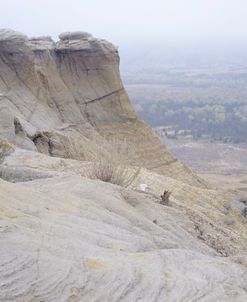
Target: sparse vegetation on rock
165 198
109 162
5 149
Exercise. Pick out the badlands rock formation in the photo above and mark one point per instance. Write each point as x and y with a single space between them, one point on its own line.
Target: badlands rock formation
54 97
65 237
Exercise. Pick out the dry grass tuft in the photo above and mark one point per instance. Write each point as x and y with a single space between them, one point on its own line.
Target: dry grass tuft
109 162
5 149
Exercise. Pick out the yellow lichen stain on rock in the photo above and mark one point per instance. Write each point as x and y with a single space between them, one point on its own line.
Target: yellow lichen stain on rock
75 291
141 255
95 264
70 208
11 215
36 299
169 275
118 247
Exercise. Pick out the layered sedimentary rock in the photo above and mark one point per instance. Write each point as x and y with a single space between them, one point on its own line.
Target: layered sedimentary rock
56 97
65 237
74 239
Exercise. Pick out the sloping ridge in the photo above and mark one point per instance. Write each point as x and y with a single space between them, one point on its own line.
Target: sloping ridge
55 97
65 237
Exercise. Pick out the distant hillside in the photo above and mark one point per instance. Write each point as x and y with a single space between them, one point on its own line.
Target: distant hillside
208 103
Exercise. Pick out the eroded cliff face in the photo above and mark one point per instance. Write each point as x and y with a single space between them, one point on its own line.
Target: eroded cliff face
57 97
64 237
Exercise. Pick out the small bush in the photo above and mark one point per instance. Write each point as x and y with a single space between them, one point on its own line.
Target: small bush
110 172
109 162
5 149
103 171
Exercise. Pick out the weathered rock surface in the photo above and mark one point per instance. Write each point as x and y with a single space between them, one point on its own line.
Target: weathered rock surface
74 239
64 237
215 214
63 94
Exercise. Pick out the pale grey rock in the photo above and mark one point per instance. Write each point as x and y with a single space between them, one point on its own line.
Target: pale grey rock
84 42
7 126
64 237
72 239
12 42
22 174
8 35
42 38
41 43
77 35
210 210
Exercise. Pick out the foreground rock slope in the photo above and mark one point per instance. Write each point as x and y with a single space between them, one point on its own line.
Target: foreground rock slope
73 239
64 237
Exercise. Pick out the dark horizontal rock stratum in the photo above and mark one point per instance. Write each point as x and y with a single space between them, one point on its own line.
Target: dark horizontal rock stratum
54 97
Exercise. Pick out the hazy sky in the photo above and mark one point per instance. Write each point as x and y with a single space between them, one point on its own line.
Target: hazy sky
130 21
